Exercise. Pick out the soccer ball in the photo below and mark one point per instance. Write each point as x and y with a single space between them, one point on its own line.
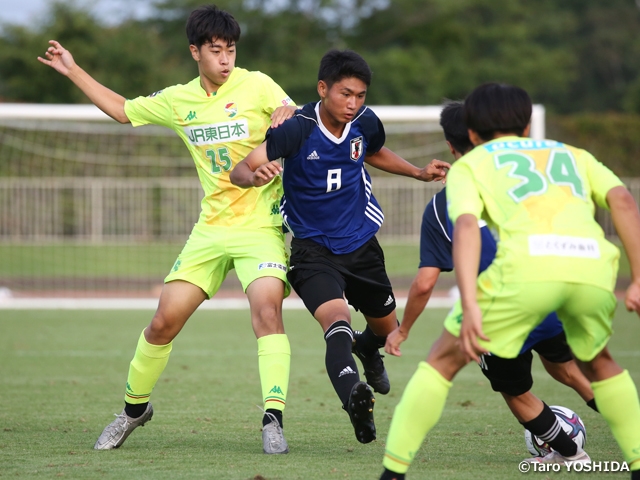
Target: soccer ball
570 423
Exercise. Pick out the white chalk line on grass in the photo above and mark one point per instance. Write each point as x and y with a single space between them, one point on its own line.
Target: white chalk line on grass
240 303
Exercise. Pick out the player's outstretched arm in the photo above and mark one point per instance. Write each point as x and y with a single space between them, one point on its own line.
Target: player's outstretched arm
466 261
389 161
626 219
61 60
419 295
255 170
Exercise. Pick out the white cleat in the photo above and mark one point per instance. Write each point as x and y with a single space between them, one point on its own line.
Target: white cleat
117 431
555 457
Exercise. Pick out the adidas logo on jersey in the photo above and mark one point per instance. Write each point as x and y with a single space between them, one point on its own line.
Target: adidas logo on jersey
346 371
313 156
389 301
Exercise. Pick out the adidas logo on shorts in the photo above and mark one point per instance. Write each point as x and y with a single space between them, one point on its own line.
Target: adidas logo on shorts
389 301
313 156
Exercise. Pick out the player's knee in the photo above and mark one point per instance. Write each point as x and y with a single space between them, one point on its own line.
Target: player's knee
268 316
161 327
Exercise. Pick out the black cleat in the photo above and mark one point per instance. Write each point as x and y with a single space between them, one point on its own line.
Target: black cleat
360 410
373 366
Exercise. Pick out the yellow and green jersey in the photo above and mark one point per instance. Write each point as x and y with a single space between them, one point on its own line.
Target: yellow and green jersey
539 195
220 130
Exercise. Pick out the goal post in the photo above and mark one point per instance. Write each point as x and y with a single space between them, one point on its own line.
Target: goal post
90 207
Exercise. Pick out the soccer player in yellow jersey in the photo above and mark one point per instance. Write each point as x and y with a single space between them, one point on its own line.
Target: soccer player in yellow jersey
552 256
221 116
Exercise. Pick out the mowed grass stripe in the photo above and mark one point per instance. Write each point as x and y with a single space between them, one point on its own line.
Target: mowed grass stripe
62 376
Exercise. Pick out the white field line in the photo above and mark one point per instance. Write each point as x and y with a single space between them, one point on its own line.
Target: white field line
239 303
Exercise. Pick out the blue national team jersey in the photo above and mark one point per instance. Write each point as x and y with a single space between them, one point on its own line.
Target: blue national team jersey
327 190
436 251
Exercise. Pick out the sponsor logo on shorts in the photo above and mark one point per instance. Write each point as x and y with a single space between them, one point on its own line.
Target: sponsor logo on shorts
176 265
389 301
279 266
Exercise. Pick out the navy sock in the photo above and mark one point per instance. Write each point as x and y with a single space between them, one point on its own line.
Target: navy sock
389 475
547 428
266 419
592 404
134 410
341 367
369 342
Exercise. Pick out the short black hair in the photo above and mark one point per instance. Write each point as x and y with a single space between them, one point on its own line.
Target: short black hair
338 64
497 107
455 130
208 22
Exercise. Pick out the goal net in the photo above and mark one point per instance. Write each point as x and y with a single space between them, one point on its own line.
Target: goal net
89 207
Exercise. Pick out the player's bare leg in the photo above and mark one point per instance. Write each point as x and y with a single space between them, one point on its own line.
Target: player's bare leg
178 301
274 358
569 374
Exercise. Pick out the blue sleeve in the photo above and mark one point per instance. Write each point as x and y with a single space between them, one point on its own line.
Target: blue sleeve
435 241
373 130
489 248
287 139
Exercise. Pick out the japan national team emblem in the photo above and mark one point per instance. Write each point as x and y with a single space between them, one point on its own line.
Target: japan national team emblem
231 109
356 149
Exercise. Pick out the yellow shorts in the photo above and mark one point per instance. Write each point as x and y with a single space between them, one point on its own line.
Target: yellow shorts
510 312
211 252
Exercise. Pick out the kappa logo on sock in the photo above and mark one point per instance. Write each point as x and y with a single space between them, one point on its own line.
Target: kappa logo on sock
276 389
389 301
346 371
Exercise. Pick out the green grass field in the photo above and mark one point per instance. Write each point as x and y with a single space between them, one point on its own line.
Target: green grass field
62 377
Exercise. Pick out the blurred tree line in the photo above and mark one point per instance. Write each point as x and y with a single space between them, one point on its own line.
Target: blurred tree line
575 57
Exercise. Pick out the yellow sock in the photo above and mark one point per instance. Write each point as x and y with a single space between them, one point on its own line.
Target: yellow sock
617 400
145 369
274 363
419 410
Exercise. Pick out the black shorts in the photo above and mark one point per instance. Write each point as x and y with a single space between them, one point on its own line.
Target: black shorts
318 276
513 375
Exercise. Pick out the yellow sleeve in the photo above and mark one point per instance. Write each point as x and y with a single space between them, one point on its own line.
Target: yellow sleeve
154 109
273 96
601 179
462 192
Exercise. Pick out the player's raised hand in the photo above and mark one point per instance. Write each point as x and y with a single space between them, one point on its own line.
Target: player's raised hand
281 114
265 173
632 298
394 339
434 172
58 58
470 331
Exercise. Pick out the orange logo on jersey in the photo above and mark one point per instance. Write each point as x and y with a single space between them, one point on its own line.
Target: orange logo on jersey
231 109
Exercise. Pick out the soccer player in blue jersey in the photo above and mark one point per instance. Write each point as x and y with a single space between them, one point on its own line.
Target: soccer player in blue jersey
509 376
333 216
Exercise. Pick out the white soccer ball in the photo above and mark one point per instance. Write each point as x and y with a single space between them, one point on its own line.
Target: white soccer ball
570 423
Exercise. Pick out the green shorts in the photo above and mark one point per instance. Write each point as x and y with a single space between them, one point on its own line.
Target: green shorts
211 252
510 312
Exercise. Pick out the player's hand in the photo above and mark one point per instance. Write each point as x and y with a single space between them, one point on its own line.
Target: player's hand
470 331
58 58
632 298
281 114
434 172
394 339
265 173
